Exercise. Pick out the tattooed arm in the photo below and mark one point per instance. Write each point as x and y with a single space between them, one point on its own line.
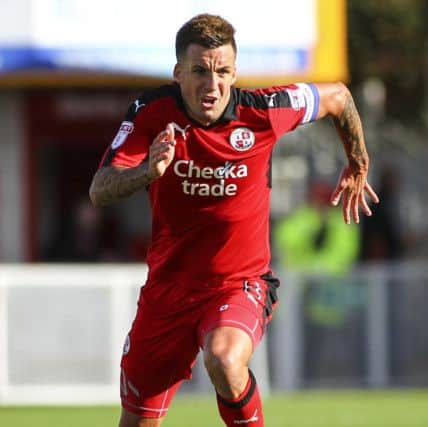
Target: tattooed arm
337 102
113 183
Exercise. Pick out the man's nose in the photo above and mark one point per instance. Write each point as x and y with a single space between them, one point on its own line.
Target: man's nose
211 81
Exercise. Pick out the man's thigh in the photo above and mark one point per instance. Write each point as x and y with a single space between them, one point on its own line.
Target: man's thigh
158 355
248 308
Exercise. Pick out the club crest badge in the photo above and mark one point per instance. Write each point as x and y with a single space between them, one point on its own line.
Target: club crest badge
242 139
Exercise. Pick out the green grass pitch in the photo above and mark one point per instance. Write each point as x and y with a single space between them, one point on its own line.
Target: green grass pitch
309 409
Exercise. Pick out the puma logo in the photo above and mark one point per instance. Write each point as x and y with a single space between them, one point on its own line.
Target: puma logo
138 105
270 98
180 129
253 419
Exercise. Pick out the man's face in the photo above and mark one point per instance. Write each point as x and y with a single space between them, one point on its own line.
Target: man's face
205 77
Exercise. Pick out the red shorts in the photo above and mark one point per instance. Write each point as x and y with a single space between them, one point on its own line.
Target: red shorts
161 349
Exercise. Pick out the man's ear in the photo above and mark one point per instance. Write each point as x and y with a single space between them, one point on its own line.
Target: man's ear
177 73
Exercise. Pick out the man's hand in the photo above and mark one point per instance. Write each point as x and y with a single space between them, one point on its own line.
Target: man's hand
112 183
336 101
161 152
351 187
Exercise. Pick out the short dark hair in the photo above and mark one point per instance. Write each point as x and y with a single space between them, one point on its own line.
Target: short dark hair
207 30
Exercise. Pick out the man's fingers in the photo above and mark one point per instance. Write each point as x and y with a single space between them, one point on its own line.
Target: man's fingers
354 207
162 136
161 146
347 207
160 157
371 193
170 132
160 151
364 206
166 135
353 196
335 196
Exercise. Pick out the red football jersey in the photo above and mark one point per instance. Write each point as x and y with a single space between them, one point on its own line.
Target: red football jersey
210 224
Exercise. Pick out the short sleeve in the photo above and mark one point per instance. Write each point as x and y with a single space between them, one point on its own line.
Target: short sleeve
305 97
296 104
131 143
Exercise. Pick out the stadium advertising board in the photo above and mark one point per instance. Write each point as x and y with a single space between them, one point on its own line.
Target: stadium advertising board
277 39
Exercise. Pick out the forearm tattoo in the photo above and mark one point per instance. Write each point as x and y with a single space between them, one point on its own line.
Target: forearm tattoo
110 185
350 130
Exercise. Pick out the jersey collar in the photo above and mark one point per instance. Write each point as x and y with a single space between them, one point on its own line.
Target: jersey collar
230 111
229 114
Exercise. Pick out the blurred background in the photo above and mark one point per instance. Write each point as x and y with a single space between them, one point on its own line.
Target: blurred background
354 297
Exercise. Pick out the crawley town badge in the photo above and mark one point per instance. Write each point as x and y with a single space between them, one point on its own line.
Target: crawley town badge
242 139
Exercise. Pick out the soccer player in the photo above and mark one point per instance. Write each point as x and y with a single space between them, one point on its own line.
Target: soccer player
202 147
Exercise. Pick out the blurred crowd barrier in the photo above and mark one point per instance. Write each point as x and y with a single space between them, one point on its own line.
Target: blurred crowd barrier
62 328
398 157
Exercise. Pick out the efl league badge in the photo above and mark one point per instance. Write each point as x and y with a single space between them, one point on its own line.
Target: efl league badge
126 346
125 129
242 139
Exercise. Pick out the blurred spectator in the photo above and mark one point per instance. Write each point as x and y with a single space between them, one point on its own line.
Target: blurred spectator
382 241
82 239
315 238
381 238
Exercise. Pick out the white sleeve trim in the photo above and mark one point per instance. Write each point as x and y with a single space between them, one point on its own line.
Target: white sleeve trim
305 96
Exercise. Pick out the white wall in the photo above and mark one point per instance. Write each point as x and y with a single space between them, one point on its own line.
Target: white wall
11 178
